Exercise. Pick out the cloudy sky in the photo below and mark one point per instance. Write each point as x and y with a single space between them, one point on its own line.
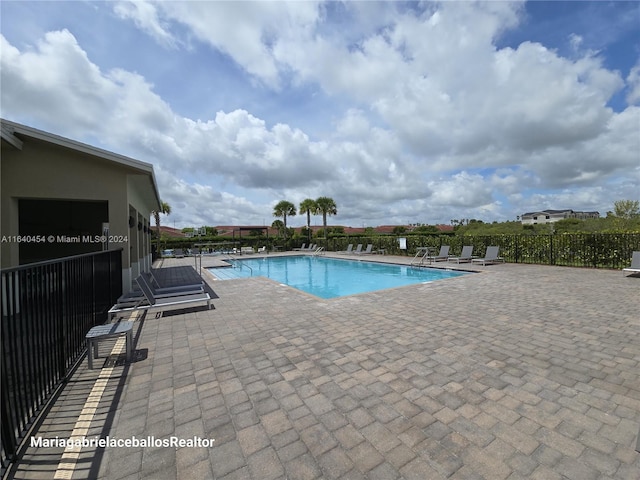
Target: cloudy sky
402 112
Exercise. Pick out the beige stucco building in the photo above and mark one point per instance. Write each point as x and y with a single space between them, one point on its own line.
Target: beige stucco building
551 216
60 197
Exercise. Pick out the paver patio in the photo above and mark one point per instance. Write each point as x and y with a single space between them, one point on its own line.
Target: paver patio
520 371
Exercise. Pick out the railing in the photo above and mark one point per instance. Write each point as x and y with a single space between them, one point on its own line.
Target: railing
318 251
232 260
595 250
418 258
421 254
47 309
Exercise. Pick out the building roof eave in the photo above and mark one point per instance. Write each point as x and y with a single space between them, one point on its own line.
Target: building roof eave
7 135
12 131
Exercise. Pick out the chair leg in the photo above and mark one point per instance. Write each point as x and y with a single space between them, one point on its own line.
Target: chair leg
129 345
90 354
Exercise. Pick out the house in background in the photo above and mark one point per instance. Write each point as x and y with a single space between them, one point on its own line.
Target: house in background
59 198
169 232
550 216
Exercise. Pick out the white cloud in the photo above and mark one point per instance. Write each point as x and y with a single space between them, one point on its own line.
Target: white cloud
575 41
145 16
194 204
431 120
615 150
56 76
633 86
462 190
245 31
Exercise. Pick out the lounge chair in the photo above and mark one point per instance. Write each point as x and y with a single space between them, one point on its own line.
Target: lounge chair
490 257
153 281
151 301
301 248
159 292
246 250
635 264
348 250
262 249
367 251
465 255
358 249
443 254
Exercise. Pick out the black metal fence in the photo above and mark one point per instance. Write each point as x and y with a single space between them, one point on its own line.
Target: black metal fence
47 309
597 250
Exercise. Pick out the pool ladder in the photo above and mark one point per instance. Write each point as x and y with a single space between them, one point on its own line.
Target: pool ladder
419 259
318 251
232 260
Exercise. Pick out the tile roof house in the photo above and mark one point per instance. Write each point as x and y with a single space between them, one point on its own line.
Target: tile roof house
170 232
243 230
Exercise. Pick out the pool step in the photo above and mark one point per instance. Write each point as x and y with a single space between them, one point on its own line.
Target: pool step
227 273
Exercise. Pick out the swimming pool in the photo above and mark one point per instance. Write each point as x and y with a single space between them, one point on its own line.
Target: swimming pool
331 278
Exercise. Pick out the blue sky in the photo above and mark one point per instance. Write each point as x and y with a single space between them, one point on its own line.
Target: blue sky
402 112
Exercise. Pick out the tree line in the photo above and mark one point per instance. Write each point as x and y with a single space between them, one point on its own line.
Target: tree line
324 206
625 217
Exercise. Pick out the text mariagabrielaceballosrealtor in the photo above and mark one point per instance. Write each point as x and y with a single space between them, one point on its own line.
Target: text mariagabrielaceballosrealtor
110 442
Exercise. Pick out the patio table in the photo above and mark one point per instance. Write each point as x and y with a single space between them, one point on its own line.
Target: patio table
104 332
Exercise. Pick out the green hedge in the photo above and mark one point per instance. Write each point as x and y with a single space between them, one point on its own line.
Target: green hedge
599 250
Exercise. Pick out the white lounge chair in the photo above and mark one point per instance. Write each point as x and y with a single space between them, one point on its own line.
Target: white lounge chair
443 254
465 255
348 250
150 301
367 251
635 264
301 248
490 257
358 249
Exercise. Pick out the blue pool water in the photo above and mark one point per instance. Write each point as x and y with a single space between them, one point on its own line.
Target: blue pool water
331 278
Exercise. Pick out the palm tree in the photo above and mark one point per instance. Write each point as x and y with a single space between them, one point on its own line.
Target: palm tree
326 206
165 208
310 207
282 209
279 226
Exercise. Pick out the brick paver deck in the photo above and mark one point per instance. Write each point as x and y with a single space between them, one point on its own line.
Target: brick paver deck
520 371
